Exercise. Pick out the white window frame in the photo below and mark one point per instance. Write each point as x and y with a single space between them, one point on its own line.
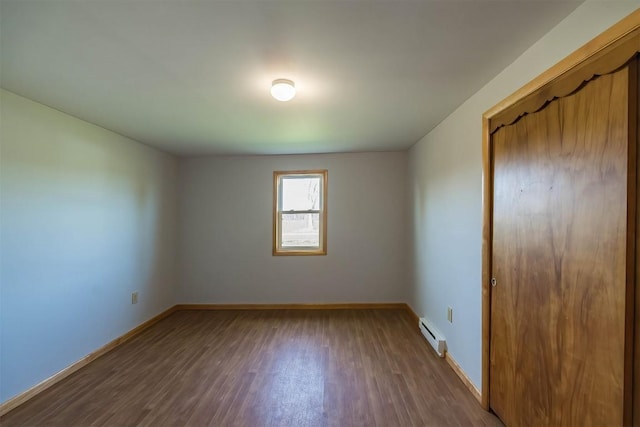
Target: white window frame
278 212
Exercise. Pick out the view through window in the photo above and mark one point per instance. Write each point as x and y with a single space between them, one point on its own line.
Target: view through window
300 212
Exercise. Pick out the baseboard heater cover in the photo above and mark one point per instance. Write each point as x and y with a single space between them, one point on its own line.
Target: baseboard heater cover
432 335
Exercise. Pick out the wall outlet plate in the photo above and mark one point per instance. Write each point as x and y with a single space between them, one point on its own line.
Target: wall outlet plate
134 298
450 314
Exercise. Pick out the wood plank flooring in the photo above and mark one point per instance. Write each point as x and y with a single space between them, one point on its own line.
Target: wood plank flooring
264 368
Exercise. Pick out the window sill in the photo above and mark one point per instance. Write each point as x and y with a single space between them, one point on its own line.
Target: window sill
298 253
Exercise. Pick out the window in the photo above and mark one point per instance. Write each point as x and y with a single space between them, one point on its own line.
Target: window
300 212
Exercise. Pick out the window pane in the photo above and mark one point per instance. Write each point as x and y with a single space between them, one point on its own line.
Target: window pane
300 194
300 230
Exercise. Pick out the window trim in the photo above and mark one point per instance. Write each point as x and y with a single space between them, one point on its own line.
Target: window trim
277 249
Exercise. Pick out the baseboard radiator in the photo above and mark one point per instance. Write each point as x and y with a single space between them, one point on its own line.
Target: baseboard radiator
435 338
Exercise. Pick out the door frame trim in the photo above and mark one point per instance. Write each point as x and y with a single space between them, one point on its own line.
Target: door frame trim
602 55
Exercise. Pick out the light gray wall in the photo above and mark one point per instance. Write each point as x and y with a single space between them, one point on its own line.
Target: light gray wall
226 208
87 217
445 181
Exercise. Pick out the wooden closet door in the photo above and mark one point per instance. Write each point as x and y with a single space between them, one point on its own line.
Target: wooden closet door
557 349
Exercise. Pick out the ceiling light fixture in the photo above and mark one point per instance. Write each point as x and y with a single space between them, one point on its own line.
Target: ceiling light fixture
283 89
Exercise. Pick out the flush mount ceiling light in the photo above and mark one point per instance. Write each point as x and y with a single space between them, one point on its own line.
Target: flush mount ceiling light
283 89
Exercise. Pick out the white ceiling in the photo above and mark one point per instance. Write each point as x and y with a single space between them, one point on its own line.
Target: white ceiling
193 77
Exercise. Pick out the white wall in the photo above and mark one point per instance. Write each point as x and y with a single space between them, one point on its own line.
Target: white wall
87 217
226 231
445 179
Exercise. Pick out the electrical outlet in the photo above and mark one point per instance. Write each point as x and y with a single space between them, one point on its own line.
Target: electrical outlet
134 298
450 314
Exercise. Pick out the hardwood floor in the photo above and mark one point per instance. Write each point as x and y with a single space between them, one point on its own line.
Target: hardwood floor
264 368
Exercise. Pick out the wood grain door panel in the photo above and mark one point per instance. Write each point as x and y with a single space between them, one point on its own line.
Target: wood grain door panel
560 259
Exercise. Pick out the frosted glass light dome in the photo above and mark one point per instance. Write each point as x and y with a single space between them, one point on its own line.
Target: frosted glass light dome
283 89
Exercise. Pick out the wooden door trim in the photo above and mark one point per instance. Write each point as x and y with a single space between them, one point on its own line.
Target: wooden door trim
632 218
487 252
602 55
607 52
632 335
